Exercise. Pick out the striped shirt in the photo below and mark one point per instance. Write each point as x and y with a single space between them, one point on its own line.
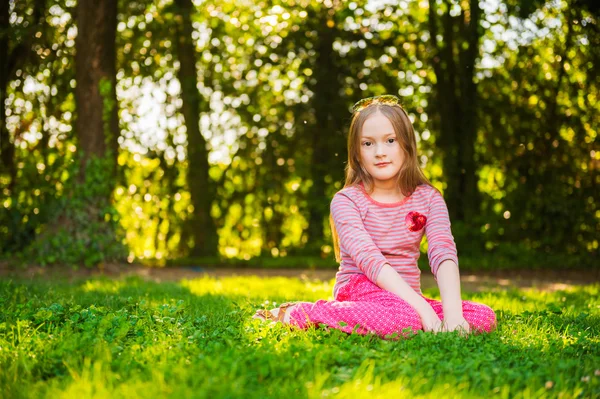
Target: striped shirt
373 233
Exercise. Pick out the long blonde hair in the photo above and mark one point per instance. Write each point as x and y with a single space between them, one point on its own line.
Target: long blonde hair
410 174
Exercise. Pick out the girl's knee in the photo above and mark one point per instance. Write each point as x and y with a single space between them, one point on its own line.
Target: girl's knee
406 320
481 317
299 314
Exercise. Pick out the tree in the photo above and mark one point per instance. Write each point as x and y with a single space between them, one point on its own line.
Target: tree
6 147
97 122
454 49
326 133
202 189
85 227
15 49
539 136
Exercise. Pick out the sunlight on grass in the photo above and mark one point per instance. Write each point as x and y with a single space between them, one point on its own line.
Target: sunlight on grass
262 288
104 286
366 384
97 380
132 338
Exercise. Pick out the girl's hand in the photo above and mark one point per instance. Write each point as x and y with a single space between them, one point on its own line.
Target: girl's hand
431 322
457 324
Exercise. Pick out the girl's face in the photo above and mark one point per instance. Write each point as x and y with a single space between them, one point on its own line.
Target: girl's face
380 151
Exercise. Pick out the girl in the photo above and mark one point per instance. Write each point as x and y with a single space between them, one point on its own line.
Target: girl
378 220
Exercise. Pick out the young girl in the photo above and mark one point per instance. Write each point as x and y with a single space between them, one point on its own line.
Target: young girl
378 220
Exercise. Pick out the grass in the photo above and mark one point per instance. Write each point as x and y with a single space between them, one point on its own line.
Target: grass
131 338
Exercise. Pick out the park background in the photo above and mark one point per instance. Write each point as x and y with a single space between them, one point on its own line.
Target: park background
140 136
214 132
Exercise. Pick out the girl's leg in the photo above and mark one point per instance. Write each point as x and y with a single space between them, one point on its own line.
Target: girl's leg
480 317
360 306
383 318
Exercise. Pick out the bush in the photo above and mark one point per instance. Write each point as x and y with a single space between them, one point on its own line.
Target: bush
84 227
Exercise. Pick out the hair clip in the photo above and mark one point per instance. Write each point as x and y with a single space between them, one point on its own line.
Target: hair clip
386 99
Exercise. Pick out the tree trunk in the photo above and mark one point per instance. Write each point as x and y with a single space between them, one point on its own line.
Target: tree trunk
456 98
83 220
469 192
270 186
326 136
95 95
202 190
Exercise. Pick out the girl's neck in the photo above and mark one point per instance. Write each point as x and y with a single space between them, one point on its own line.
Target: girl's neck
386 190
391 190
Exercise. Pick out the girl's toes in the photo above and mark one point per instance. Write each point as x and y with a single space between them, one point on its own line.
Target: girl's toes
259 315
265 315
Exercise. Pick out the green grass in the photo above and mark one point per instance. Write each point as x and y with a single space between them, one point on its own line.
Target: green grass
130 338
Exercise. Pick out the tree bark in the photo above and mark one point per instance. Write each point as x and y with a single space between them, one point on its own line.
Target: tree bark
327 139
95 95
452 111
271 186
469 192
456 98
202 190
97 131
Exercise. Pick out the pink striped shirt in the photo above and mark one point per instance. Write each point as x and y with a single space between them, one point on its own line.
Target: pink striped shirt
373 233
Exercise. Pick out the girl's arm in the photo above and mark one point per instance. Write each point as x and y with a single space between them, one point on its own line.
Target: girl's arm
443 260
448 279
391 281
353 236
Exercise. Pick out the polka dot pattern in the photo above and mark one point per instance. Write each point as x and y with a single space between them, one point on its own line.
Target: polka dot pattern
362 307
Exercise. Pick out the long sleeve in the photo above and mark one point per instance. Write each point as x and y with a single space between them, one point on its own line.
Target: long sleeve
354 238
441 245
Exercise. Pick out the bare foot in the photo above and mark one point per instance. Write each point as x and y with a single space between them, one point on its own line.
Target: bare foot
275 313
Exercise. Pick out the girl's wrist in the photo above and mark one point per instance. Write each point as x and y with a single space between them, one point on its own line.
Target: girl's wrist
424 310
453 316
452 308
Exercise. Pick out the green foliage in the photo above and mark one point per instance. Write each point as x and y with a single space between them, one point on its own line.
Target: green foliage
106 91
43 164
85 229
267 262
266 88
538 139
502 257
37 197
481 247
130 338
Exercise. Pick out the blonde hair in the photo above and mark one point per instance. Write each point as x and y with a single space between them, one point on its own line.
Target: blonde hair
410 174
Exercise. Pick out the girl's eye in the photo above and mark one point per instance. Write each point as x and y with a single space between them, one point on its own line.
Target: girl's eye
392 140
367 142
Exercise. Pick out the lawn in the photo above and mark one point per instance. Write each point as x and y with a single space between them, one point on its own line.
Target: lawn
130 338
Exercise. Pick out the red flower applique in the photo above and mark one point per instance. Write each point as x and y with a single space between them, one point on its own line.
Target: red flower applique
415 221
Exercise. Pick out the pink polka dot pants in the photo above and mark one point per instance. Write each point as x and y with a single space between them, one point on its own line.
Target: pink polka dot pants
362 307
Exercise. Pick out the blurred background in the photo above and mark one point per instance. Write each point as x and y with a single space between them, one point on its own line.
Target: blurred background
214 132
